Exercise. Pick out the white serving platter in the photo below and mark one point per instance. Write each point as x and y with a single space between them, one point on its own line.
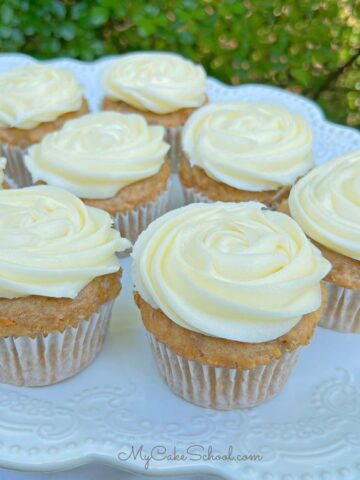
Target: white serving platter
311 431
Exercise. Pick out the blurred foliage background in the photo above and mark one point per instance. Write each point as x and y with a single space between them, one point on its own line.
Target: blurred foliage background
308 46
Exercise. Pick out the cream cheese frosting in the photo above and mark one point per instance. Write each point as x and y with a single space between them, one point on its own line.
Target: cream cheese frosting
52 244
2 168
326 204
36 94
158 82
98 154
231 270
249 146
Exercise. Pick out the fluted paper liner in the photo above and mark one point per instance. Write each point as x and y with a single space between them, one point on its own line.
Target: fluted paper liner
193 196
173 137
131 223
48 359
221 388
342 312
15 166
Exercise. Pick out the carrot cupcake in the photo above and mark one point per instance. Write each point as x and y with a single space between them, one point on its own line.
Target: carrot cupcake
229 293
59 276
34 100
112 161
326 204
165 88
237 152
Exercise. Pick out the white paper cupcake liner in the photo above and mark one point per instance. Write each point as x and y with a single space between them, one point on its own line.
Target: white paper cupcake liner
131 223
194 196
15 167
342 312
48 359
173 137
221 388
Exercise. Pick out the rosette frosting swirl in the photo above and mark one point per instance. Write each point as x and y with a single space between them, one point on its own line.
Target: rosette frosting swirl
249 146
158 82
52 244
35 94
98 154
230 270
326 204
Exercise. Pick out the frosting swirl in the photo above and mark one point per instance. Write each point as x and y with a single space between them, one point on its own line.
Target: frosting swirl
326 204
158 82
35 94
249 146
97 154
52 244
230 270
2 168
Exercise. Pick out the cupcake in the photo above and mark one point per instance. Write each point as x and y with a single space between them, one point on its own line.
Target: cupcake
326 204
34 100
110 160
163 87
59 276
229 293
235 152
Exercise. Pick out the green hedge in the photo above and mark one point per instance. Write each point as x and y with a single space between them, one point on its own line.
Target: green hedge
308 46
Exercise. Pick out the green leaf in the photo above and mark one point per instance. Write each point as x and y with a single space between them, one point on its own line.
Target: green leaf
99 16
67 31
6 14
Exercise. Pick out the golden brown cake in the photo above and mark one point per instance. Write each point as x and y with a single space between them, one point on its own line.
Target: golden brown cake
195 178
172 119
133 196
220 352
35 314
17 137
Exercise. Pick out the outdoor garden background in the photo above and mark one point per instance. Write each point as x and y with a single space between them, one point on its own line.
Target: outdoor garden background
308 46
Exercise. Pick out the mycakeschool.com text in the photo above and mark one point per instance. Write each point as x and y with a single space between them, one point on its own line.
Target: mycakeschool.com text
191 453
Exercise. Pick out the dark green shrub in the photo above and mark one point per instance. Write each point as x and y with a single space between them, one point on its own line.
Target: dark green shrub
309 46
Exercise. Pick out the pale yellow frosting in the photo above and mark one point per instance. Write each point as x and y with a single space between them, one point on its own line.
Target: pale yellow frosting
158 82
2 168
230 270
35 94
98 154
52 244
326 204
249 146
